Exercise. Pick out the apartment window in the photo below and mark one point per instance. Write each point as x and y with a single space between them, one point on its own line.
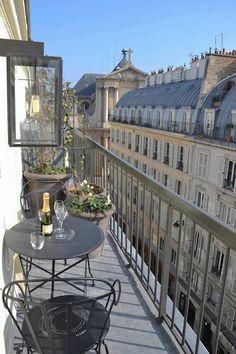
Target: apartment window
224 212
162 244
218 261
180 162
149 117
139 116
167 153
145 146
233 289
117 136
213 295
112 135
154 173
136 163
170 120
123 138
135 190
203 160
198 245
129 140
230 318
165 180
158 119
201 200
123 156
137 141
186 121
144 168
194 280
134 217
178 187
155 147
129 159
173 256
229 182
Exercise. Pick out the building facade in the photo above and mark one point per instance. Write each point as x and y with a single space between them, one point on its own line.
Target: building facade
180 131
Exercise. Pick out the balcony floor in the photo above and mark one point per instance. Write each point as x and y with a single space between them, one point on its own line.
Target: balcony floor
133 328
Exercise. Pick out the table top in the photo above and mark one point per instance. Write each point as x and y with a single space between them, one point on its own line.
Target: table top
83 237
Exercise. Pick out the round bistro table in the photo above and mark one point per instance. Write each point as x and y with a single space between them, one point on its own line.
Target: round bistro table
83 237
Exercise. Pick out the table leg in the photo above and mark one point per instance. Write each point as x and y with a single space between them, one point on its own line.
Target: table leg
53 274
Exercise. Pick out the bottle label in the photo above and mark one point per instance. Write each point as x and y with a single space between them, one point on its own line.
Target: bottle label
47 229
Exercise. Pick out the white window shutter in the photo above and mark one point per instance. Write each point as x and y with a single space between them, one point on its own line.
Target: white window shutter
175 155
220 174
162 151
205 201
216 208
185 169
232 217
192 195
171 154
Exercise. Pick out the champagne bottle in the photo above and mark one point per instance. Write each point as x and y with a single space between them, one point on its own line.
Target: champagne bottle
46 218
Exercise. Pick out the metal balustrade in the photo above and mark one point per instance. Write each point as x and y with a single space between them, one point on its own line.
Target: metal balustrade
159 224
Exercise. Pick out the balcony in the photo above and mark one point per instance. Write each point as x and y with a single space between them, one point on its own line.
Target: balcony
144 271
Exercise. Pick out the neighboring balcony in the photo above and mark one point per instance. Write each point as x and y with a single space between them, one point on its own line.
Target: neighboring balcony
229 185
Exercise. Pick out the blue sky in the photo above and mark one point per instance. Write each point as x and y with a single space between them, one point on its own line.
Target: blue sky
90 34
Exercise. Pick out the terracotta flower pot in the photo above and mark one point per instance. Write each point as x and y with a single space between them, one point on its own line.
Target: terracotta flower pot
36 184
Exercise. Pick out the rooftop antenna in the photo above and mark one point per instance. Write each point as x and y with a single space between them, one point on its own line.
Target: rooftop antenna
222 40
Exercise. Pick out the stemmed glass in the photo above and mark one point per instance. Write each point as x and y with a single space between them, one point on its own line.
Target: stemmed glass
61 213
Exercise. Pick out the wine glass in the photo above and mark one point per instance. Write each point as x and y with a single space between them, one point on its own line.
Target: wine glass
37 240
61 213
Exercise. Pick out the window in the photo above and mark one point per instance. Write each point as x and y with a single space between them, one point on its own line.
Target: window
137 141
198 245
180 162
144 168
203 158
186 121
136 163
145 146
158 119
117 136
194 280
224 212
230 318
233 289
167 153
173 256
201 200
229 182
165 180
129 141
154 173
162 244
178 187
123 138
213 295
129 159
155 147
218 261
112 135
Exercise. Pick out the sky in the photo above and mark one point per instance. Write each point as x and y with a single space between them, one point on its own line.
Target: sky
90 34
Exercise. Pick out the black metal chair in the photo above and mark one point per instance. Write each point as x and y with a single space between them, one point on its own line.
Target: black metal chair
31 197
70 323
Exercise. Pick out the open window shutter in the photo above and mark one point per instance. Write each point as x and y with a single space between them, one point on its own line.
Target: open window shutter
185 169
192 195
220 174
232 217
205 201
171 154
175 155
162 151
216 208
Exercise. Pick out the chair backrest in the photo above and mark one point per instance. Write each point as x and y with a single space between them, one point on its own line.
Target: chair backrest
59 324
31 197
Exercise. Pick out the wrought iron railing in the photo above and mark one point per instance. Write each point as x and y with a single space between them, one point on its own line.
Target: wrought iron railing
157 226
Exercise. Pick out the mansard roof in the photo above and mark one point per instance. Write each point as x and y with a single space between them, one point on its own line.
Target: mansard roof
175 94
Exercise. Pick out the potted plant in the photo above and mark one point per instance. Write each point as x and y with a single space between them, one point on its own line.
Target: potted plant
83 189
42 172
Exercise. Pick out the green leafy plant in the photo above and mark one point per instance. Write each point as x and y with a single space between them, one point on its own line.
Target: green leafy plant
92 204
41 158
